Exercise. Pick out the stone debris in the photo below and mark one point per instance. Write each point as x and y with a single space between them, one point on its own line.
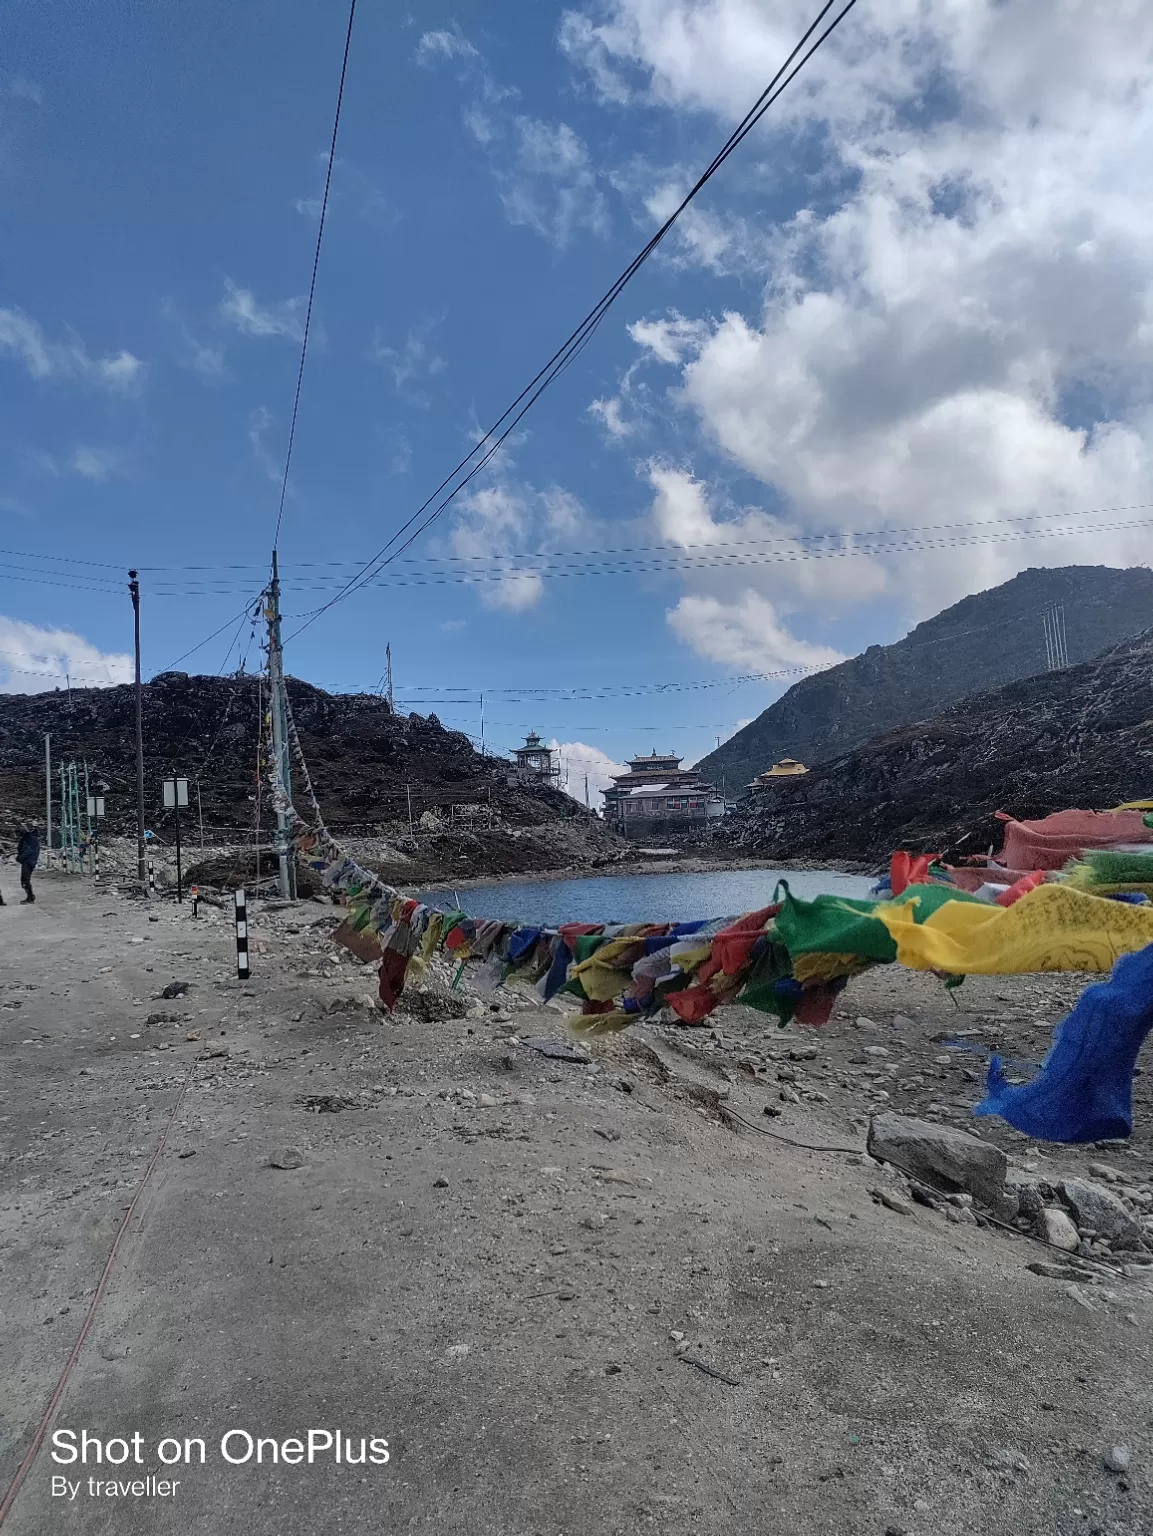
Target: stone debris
287 1157
943 1157
1117 1458
557 1050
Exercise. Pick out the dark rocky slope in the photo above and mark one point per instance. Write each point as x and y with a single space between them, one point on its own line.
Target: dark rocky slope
1082 737
986 640
367 764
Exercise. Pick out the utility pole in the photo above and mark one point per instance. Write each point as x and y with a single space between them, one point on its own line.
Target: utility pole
286 868
134 589
388 674
48 801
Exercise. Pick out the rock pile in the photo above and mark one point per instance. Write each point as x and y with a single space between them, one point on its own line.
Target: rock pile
953 1172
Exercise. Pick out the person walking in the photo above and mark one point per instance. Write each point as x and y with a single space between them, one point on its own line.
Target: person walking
28 856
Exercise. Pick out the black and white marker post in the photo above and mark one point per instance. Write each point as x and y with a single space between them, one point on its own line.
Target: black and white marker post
151 878
241 903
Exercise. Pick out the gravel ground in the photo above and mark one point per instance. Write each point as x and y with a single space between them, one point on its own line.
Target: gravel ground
571 1296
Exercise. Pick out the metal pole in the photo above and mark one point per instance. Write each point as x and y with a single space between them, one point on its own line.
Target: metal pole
200 813
408 791
48 801
285 867
176 801
134 590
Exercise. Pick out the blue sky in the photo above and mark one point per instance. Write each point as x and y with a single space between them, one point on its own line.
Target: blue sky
918 297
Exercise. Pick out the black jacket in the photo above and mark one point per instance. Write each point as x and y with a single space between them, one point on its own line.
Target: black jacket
28 849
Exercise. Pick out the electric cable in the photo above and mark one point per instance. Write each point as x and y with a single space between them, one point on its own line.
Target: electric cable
315 269
514 413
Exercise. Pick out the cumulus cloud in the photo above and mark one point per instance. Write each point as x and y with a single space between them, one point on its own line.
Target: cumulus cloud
36 660
500 528
749 572
44 358
240 309
744 631
579 761
957 323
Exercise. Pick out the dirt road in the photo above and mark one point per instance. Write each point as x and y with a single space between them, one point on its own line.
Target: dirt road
571 1297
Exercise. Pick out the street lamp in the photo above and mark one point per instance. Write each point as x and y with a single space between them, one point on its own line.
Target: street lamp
176 797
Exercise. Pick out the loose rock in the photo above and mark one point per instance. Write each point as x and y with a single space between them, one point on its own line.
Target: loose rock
287 1157
1101 1212
1117 1458
1056 1228
943 1157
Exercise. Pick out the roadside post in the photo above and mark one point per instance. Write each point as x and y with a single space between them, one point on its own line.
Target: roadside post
95 816
176 796
240 903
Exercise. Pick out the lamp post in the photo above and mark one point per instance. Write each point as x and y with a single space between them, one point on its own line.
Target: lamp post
175 796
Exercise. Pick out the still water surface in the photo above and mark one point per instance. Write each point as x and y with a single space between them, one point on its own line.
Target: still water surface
644 898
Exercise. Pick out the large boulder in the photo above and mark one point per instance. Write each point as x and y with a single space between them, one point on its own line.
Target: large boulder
1102 1212
946 1159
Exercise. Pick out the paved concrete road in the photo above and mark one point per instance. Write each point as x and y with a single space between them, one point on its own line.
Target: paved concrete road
496 1288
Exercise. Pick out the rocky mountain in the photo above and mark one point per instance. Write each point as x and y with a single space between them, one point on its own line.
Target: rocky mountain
1082 737
983 641
370 768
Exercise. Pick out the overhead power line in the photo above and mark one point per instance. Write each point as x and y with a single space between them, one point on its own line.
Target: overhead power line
490 443
315 269
506 568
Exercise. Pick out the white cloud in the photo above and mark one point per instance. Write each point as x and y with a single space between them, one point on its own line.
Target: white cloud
565 515
744 632
207 362
451 626
499 528
20 335
411 363
36 660
579 760
240 308
670 340
260 423
95 463
493 525
610 413
453 44
957 323
748 572
548 181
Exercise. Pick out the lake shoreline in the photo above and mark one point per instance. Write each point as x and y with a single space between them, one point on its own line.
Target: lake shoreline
625 868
